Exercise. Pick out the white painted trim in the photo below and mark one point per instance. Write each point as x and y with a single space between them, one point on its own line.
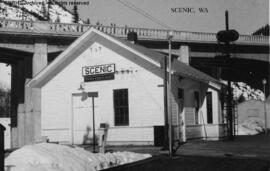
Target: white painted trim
127 47
59 58
214 85
74 44
184 123
72 121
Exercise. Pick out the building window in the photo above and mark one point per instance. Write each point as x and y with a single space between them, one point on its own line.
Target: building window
121 116
209 102
197 106
180 93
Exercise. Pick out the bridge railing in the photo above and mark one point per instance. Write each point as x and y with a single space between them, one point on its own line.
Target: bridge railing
143 33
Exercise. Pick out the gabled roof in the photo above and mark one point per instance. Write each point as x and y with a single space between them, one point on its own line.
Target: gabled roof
145 57
177 66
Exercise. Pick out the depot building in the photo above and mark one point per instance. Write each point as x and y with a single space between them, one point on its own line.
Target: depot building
122 83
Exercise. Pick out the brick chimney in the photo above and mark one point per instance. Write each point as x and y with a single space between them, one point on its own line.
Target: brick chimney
132 37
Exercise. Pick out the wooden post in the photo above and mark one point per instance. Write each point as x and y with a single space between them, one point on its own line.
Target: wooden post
169 89
93 95
94 137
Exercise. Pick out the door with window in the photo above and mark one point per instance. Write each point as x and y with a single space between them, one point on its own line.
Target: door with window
82 119
181 118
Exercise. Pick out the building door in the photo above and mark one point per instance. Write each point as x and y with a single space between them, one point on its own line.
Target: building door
82 120
182 130
180 120
209 107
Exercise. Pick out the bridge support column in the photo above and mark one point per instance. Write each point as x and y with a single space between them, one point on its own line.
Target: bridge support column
184 52
33 95
21 121
17 98
268 81
40 55
30 122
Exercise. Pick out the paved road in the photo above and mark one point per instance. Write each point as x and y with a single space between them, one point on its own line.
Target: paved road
243 146
195 163
243 154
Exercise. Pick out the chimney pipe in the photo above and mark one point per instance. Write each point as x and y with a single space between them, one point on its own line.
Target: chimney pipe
132 37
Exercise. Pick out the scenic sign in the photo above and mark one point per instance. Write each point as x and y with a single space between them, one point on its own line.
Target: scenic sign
98 72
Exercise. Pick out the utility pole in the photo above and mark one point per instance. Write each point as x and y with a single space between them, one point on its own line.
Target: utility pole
169 89
165 82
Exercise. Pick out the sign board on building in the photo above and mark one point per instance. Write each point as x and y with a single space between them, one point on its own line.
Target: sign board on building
98 72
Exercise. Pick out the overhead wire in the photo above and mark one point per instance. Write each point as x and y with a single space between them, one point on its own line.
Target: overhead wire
145 14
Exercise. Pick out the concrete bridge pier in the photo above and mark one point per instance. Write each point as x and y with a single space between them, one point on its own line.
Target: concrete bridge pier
28 130
17 98
32 117
268 82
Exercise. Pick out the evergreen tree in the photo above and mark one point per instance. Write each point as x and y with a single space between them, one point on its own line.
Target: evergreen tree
75 14
4 102
241 99
57 19
48 11
44 11
87 21
262 31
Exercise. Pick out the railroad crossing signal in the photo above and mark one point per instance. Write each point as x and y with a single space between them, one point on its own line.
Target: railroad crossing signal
227 36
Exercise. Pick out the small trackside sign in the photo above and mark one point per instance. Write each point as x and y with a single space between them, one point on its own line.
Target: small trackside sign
98 72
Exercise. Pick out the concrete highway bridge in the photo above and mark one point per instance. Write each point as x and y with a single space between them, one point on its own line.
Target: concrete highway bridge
30 46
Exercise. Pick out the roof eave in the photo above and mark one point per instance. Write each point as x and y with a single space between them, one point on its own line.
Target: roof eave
215 85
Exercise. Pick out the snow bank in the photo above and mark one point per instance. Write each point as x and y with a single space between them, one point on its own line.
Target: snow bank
251 126
53 157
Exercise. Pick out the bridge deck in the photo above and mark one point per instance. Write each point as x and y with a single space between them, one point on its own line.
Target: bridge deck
38 28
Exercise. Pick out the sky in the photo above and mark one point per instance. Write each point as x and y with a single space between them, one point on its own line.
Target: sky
246 16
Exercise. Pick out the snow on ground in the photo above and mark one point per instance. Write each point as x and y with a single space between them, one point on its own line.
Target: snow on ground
251 126
54 157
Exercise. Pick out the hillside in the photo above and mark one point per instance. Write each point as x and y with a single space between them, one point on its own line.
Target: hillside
248 93
42 10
